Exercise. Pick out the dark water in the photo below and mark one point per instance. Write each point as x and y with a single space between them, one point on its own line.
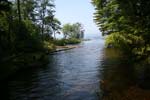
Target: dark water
70 75
89 72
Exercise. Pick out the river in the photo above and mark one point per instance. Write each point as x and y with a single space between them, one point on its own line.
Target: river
76 74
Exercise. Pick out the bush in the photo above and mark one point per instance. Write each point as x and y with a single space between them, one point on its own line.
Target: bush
49 46
73 41
64 42
61 42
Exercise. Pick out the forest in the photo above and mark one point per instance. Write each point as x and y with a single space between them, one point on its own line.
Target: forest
28 32
35 64
127 24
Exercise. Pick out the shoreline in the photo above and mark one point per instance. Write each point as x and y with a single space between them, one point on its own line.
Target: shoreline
63 48
35 64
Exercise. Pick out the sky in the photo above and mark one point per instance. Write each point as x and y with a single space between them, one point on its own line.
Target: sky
72 11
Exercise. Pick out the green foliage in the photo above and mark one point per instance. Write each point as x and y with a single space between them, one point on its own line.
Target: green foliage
73 30
66 30
73 41
25 33
49 46
21 32
4 5
127 22
45 9
63 42
33 29
52 26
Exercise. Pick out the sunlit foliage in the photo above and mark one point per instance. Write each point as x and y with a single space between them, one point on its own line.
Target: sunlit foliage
127 22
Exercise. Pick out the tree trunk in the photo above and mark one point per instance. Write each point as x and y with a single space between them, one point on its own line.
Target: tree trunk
19 12
43 22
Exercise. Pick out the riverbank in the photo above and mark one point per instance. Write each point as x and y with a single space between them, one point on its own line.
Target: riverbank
64 48
73 71
15 63
12 64
57 45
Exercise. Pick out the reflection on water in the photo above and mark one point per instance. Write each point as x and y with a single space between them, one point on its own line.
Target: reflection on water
120 80
70 75
89 72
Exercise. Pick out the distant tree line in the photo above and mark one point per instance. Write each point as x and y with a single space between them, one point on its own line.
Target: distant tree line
75 30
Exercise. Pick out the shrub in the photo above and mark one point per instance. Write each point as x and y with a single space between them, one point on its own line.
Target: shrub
64 42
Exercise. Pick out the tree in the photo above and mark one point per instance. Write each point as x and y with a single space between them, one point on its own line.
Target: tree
55 24
28 9
66 29
19 11
52 26
22 21
73 30
78 30
45 8
4 5
127 22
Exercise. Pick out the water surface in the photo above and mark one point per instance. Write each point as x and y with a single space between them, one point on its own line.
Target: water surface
70 75
89 72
